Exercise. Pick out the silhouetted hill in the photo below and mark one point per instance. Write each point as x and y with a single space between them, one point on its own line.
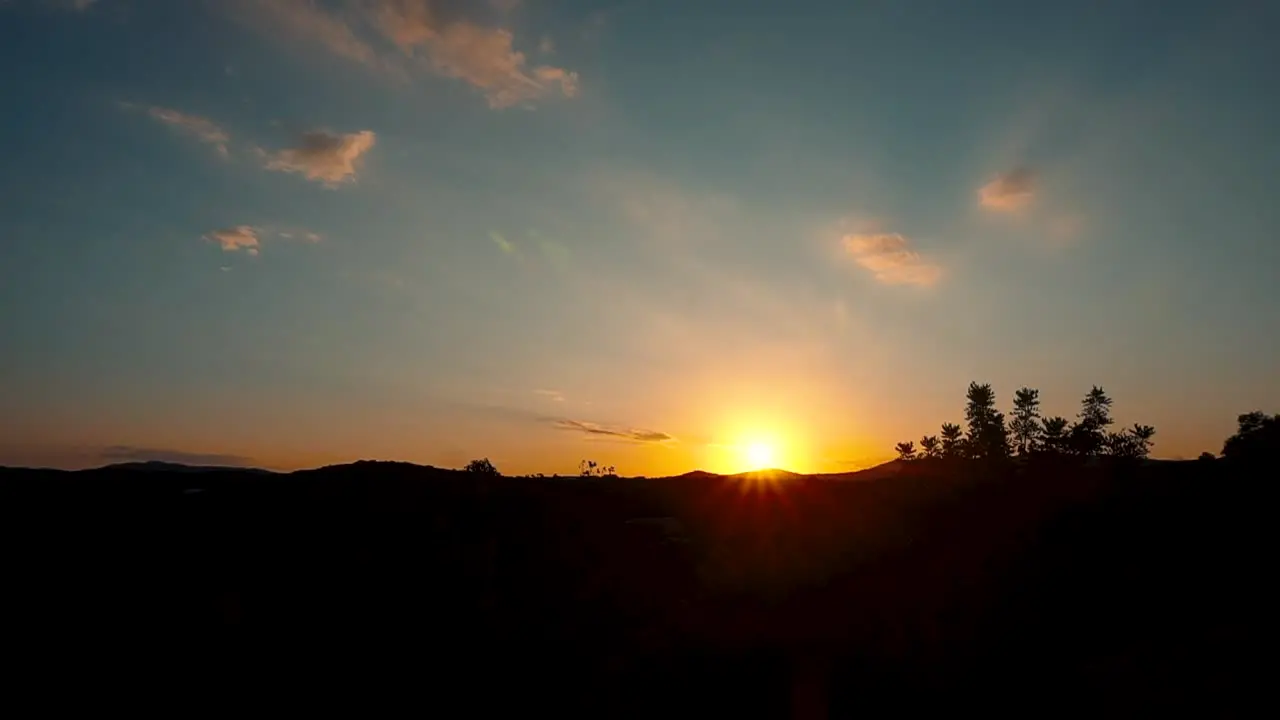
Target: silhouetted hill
171 467
1118 588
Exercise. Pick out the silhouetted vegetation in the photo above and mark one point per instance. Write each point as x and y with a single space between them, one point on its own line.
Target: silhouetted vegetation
593 469
1257 439
974 574
482 467
1027 435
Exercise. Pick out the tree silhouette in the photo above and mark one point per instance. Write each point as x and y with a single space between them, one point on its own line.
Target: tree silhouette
1089 435
952 441
1257 438
590 468
482 467
1132 444
987 437
1207 456
1053 435
1025 423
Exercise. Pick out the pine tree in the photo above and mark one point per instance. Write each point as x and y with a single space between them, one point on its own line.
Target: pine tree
931 447
952 441
1053 435
987 436
906 450
1025 424
1089 435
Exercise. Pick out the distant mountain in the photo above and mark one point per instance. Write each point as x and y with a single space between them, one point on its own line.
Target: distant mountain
170 467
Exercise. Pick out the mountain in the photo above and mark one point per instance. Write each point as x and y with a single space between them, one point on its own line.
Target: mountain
160 466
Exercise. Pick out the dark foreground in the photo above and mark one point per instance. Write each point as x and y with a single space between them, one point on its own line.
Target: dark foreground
379 586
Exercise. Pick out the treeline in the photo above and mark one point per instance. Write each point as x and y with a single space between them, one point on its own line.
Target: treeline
989 436
1026 433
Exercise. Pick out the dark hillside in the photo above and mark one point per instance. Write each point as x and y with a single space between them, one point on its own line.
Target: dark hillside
1127 587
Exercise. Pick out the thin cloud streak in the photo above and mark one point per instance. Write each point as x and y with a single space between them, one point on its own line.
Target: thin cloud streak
597 429
201 128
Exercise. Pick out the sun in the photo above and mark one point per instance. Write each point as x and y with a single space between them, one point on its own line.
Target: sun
758 455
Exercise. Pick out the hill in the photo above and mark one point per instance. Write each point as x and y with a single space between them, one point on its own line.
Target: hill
1129 587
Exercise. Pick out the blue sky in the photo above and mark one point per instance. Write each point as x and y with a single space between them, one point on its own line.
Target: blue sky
290 233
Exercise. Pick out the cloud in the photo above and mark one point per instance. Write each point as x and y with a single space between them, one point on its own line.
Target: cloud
482 56
546 45
129 453
630 434
503 244
305 20
552 395
888 256
201 128
1010 191
329 158
485 58
249 238
240 237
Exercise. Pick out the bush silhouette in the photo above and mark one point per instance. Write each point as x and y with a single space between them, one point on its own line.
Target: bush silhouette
482 467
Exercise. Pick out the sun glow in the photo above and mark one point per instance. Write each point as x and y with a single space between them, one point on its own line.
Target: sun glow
758 455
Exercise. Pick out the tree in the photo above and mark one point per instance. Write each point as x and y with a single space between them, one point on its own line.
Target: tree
1207 456
1025 423
931 446
987 437
1053 435
1132 444
906 450
1257 438
952 441
1089 435
482 467
590 468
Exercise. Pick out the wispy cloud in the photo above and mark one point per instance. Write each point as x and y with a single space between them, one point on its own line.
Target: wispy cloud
130 453
240 237
249 238
201 128
503 244
552 395
622 433
1010 191
889 257
484 57
325 157
306 20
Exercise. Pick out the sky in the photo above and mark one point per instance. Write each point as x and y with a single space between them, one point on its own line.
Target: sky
662 235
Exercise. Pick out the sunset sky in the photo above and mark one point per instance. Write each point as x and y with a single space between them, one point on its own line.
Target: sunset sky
289 233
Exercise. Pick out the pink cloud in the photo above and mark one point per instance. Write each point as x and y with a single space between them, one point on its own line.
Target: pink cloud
240 237
889 258
329 158
481 56
201 128
250 238
1010 191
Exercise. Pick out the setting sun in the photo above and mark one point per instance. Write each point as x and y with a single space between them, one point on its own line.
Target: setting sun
758 456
